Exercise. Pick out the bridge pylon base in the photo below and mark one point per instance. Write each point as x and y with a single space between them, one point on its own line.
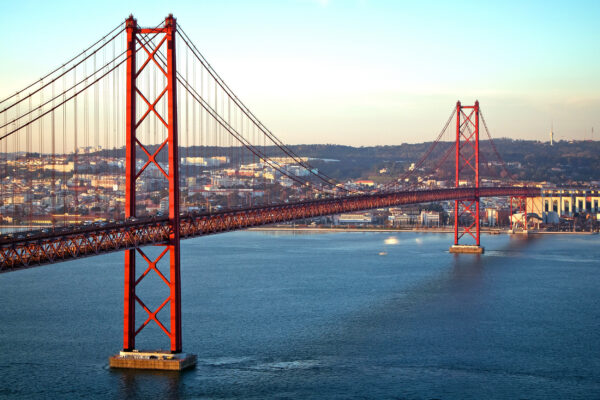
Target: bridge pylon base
155 360
468 249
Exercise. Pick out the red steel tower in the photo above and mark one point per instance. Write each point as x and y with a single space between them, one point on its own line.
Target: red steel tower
130 357
466 212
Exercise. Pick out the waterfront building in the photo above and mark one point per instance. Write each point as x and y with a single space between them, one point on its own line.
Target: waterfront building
430 218
566 202
355 219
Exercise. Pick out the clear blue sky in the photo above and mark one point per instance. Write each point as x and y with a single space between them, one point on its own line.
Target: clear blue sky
357 72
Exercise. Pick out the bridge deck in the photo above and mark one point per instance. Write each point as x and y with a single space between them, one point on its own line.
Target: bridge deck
77 242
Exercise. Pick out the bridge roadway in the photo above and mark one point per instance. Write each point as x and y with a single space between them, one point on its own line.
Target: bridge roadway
61 244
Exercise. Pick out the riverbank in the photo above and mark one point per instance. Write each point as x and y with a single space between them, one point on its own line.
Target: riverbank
317 229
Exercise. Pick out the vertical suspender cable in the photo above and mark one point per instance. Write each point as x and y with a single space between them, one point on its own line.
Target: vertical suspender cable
63 186
28 190
187 127
53 161
96 111
75 151
16 163
42 160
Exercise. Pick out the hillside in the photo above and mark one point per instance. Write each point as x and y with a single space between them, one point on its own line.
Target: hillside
565 162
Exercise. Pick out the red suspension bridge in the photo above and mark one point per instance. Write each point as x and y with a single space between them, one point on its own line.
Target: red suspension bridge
154 121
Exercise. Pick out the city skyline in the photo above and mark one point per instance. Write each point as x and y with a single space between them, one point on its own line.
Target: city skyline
360 72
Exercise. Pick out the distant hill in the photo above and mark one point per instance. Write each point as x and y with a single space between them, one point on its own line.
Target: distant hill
564 162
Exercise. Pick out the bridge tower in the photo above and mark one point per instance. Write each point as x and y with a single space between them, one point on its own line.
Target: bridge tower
466 211
130 357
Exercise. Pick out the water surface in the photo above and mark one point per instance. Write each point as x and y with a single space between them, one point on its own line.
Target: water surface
336 315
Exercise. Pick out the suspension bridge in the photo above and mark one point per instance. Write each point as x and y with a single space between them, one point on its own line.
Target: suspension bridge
138 141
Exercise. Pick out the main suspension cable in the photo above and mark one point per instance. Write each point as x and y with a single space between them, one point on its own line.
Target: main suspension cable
76 93
325 178
424 157
224 124
504 166
62 66
240 138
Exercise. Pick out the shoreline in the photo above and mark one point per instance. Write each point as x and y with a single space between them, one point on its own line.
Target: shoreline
390 230
268 228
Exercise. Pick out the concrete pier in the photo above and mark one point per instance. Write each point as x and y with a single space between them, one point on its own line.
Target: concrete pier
469 249
522 232
157 360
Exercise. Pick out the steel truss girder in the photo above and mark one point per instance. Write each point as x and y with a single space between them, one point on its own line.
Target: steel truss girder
79 243
62 246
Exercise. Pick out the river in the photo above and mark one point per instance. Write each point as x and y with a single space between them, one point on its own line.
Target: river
330 315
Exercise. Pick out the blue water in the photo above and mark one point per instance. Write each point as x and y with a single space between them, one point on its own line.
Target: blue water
280 315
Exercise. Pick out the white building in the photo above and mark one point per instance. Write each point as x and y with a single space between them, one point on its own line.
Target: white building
355 219
430 218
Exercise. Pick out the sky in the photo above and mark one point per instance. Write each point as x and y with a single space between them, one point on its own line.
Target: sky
356 72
